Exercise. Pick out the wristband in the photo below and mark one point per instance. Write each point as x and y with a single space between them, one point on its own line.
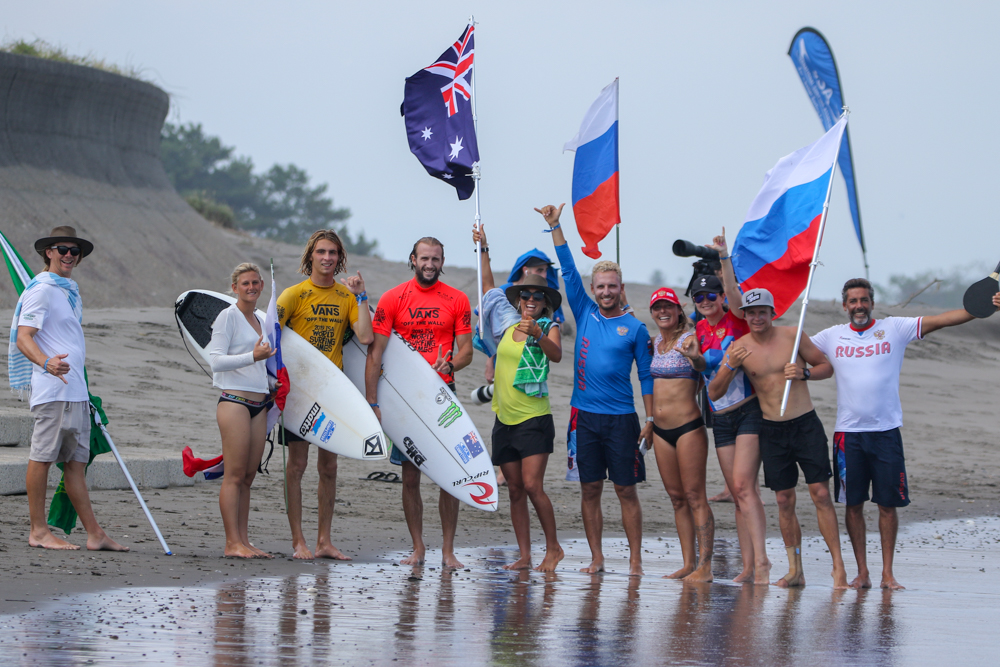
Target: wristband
552 229
729 367
374 405
722 259
45 370
485 249
451 368
649 420
363 296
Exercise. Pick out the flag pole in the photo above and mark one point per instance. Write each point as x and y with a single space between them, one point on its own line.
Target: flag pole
812 271
131 483
476 175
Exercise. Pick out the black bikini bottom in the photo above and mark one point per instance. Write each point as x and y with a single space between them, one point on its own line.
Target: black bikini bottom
672 435
253 407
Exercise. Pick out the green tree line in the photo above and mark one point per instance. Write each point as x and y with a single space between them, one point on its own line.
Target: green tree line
279 203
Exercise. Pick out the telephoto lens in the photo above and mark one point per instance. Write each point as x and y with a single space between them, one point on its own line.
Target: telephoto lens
483 394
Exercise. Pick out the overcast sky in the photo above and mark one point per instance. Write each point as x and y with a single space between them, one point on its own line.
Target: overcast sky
709 102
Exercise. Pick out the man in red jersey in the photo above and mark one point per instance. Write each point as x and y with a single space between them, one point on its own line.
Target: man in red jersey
435 319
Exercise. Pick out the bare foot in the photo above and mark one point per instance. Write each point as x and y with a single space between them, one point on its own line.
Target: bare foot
47 540
791 580
889 582
724 497
104 543
416 558
551 559
702 574
239 551
449 560
679 574
635 569
596 565
762 574
260 553
301 552
331 552
744 576
522 563
839 577
861 581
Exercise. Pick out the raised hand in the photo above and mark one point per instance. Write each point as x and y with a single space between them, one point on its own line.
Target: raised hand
996 299
529 326
689 348
737 355
551 214
719 243
443 364
58 366
355 284
479 235
262 349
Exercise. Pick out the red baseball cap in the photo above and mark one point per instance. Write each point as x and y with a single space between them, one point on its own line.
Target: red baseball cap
664 293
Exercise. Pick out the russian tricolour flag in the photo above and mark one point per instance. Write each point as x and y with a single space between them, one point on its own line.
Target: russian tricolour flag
776 243
595 171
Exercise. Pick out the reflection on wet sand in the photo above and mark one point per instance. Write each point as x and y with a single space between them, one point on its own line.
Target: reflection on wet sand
372 613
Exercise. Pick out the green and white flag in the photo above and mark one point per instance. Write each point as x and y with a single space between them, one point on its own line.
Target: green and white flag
61 512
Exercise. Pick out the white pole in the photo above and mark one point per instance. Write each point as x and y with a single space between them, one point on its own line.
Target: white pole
476 175
812 270
131 483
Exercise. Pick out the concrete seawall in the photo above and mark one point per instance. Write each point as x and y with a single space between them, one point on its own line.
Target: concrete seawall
80 147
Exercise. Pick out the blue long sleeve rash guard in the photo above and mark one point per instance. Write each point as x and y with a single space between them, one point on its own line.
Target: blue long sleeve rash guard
605 350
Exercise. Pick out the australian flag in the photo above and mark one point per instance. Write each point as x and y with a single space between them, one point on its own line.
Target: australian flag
437 110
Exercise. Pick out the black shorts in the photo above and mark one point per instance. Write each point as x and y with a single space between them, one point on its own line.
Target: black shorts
799 441
396 455
290 436
744 420
513 443
872 459
607 446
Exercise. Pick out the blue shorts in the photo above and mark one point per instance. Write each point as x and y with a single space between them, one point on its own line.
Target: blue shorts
870 459
607 446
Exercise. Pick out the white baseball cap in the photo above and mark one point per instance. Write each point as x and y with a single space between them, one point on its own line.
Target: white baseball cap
757 297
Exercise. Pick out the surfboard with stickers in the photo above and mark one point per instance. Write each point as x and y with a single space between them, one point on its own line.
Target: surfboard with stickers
426 422
323 406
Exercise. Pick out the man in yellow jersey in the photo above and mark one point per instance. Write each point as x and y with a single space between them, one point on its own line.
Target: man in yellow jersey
320 310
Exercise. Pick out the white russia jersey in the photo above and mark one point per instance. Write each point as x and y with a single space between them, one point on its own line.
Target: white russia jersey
867 365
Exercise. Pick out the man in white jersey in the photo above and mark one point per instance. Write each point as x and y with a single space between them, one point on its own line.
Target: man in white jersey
47 358
867 355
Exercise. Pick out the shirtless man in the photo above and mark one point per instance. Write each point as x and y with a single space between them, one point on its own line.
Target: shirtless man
795 439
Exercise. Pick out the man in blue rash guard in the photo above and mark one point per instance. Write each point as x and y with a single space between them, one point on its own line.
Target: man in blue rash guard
607 433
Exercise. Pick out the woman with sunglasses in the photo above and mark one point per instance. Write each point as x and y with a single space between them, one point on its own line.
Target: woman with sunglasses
679 435
736 415
238 353
518 327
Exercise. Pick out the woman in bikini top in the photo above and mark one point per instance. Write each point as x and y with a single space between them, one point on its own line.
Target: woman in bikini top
680 440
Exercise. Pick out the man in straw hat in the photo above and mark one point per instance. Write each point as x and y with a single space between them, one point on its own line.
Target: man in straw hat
790 441
47 352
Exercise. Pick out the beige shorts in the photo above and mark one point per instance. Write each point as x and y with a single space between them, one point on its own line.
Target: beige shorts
62 432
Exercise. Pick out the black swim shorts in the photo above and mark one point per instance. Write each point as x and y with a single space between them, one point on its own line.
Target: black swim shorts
797 442
530 437
872 459
607 446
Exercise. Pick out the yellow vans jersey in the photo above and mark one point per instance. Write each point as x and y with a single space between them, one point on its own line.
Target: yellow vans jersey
321 315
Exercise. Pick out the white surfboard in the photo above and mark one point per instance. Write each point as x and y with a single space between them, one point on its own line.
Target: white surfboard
323 405
427 422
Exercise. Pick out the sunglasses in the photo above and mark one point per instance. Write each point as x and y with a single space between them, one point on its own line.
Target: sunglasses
535 296
711 296
62 249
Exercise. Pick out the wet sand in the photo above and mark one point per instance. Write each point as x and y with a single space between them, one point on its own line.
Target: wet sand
374 612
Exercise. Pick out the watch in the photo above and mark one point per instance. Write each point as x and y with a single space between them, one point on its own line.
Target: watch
805 374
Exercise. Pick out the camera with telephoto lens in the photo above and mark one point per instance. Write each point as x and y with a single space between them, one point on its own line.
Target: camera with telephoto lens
483 394
707 265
